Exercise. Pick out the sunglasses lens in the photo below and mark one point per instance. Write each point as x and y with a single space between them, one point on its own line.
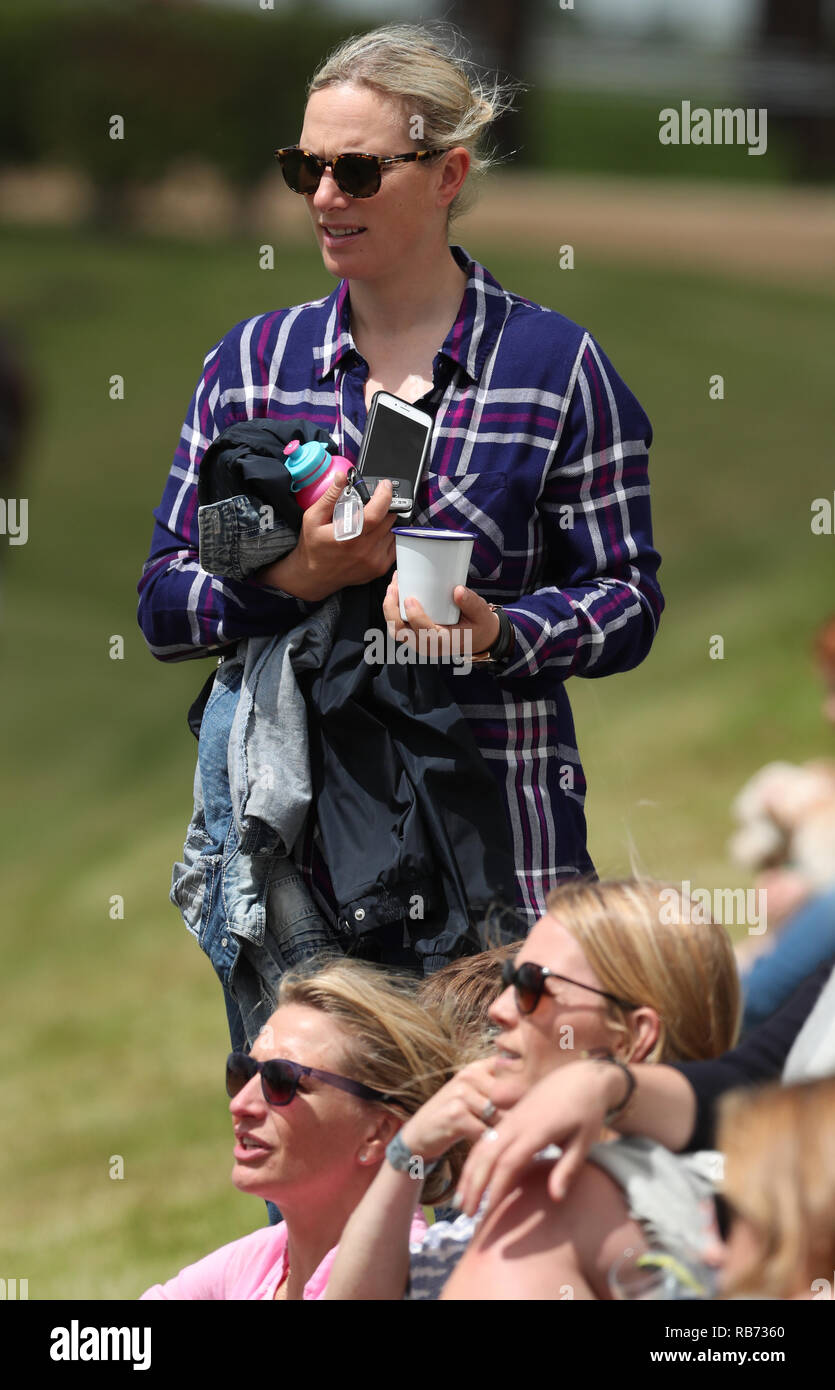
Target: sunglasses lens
528 985
278 1082
301 173
239 1069
358 175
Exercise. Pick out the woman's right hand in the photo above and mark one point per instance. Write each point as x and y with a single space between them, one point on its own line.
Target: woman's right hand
320 564
456 1111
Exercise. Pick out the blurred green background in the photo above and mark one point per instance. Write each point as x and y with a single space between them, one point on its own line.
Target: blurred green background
115 1029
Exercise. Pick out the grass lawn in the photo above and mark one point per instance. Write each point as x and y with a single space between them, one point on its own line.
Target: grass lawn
121 1020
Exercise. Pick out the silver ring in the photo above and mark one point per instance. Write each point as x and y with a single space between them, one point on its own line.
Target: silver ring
488 1112
490 1135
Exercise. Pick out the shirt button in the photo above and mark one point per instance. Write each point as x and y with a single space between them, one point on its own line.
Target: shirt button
224 941
359 915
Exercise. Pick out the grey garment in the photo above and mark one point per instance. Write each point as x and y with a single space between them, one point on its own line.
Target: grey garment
269 758
813 1050
236 538
669 1195
191 877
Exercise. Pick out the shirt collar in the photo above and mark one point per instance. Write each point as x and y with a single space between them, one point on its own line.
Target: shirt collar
483 310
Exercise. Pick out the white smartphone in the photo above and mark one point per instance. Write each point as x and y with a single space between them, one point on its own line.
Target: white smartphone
395 445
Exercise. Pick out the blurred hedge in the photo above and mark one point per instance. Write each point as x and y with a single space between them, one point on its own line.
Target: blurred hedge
219 85
227 86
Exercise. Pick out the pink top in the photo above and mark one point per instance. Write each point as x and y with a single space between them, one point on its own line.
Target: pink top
251 1268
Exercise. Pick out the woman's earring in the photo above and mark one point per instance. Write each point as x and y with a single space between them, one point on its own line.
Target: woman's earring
363 1157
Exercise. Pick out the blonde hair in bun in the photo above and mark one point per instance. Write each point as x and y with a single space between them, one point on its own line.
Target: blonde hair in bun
427 74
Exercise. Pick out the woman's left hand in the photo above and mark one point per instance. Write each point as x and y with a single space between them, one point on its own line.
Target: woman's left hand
477 618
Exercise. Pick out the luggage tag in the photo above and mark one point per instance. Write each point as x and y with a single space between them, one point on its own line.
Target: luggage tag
349 512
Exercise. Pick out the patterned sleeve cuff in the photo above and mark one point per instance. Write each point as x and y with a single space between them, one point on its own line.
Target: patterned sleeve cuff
521 660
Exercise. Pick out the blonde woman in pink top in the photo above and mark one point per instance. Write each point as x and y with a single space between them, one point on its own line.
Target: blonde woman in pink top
345 1059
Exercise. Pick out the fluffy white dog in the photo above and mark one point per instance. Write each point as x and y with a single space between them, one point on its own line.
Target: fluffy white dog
786 819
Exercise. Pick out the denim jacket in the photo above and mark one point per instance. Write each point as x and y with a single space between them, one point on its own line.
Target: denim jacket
238 888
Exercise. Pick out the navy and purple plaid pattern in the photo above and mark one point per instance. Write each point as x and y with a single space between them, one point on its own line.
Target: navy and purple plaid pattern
538 446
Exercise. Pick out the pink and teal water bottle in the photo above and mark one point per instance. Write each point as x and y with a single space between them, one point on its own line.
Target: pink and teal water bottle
312 468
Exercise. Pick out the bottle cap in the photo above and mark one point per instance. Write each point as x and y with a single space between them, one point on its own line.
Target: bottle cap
307 464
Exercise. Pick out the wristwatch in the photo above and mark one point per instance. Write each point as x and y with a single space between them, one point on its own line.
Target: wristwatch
503 645
401 1157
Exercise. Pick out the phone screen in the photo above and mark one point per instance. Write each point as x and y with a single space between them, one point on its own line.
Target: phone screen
394 448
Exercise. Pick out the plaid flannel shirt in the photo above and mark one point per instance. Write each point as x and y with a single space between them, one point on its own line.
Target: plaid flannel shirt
538 446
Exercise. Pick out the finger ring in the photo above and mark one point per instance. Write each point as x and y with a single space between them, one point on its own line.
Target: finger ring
488 1112
490 1135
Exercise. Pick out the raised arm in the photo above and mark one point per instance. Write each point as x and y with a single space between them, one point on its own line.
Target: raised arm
372 1261
568 1108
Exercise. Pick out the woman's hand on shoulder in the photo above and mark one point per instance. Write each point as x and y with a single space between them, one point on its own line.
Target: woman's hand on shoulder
567 1107
455 1112
320 564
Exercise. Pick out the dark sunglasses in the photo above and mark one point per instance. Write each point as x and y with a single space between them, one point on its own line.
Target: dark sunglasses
358 175
280 1079
528 980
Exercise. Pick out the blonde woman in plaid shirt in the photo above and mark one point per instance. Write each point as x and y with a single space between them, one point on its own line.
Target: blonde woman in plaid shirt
538 445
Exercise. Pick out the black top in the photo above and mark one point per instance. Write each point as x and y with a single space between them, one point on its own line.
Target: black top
759 1057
